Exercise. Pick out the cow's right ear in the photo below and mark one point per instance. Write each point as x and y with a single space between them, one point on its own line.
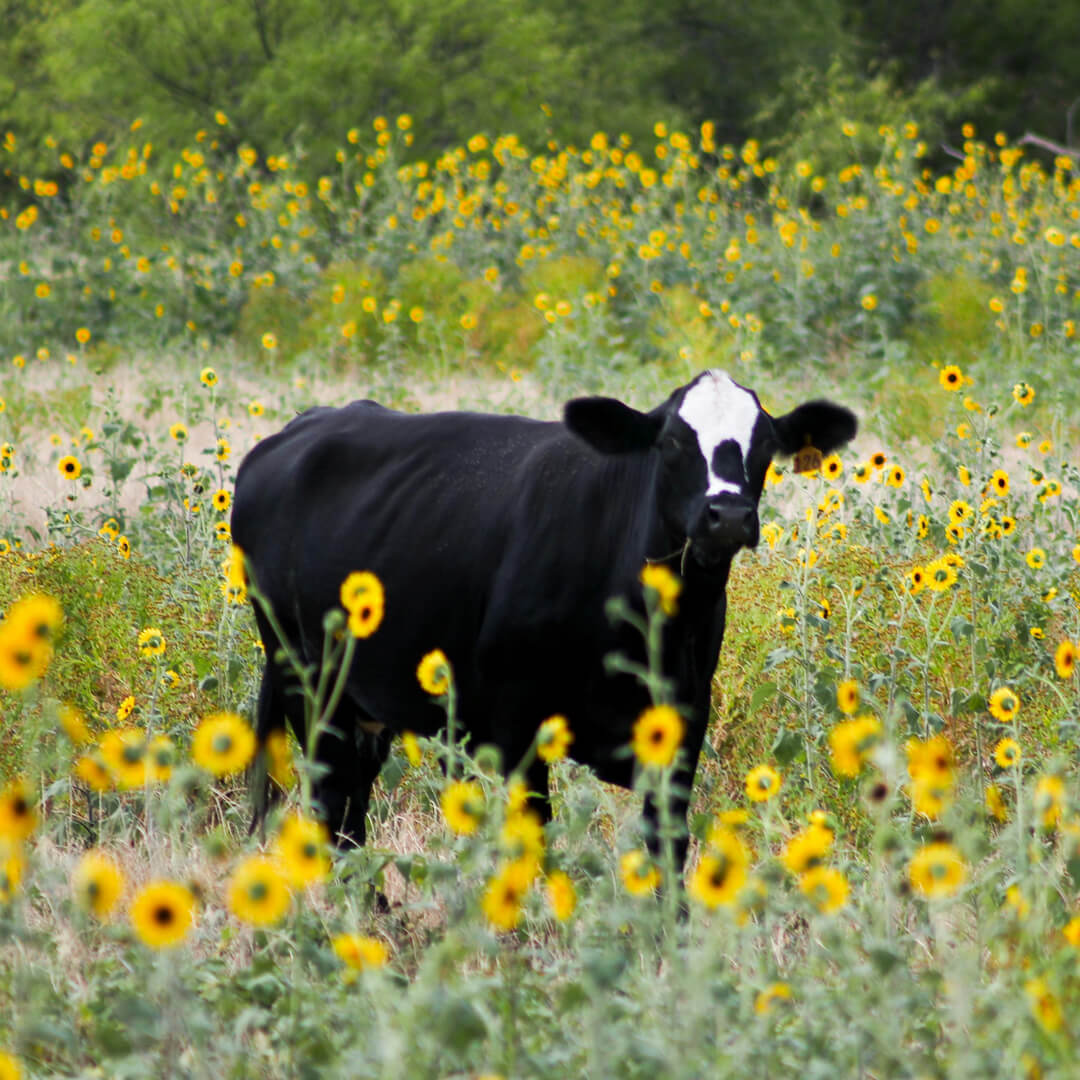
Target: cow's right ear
611 427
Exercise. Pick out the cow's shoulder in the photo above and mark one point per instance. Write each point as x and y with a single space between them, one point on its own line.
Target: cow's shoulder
577 533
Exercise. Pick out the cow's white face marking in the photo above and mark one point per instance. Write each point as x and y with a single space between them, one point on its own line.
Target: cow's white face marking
718 410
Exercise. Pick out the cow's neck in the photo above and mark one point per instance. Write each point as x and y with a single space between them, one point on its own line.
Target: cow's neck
636 477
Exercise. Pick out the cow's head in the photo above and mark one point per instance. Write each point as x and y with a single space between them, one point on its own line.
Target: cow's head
714 443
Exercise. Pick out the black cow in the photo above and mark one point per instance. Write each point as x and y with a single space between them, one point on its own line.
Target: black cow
499 540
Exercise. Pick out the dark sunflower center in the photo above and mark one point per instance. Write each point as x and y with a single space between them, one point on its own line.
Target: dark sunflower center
20 807
164 915
222 743
258 891
309 851
656 736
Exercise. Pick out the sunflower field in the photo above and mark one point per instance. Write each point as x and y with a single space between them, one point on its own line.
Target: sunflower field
884 878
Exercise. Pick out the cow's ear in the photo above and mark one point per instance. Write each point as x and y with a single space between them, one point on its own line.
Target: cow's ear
610 426
817 423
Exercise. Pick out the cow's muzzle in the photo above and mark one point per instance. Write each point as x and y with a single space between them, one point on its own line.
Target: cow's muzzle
728 522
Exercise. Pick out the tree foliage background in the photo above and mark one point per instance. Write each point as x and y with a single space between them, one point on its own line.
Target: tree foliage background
299 73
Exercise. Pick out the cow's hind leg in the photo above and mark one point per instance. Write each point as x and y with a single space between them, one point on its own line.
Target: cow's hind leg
349 758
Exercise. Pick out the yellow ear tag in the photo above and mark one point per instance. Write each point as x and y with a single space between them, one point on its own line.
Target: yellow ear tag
807 460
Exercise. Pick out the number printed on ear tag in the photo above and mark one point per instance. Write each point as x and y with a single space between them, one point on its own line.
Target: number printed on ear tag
808 459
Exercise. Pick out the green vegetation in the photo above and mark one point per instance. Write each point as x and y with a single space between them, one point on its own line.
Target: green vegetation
885 863
915 873
299 73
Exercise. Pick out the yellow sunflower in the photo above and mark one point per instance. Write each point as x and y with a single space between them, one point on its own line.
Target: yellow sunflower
162 914
124 752
151 642
303 848
847 696
915 580
1007 753
562 897
777 993
1049 800
930 760
69 467
463 806
807 849
937 870
1045 1005
359 952
658 734
666 584
363 597
553 738
762 783
995 804
160 758
12 865
826 887
73 721
722 870
1065 659
1024 394
940 575
1004 704
960 512
522 835
257 892
411 745
433 673
18 819
279 758
223 744
97 882
505 894
639 873
91 770
951 377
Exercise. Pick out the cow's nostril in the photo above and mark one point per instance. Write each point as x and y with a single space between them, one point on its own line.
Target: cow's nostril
729 516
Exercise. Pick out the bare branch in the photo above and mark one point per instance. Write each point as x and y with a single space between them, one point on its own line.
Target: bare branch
258 8
1046 144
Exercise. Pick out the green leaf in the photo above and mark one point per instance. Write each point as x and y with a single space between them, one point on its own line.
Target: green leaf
787 746
765 692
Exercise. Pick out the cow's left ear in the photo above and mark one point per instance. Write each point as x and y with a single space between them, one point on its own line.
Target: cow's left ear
611 427
817 423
